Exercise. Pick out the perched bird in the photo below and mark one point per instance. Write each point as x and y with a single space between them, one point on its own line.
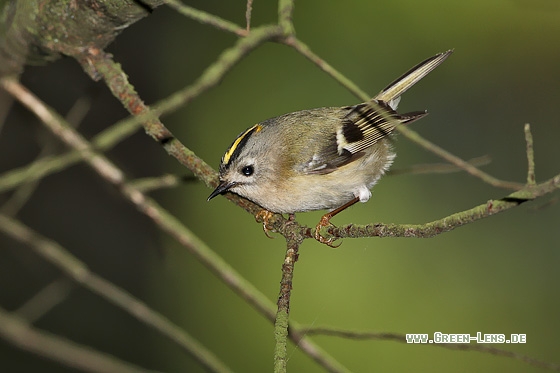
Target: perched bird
325 158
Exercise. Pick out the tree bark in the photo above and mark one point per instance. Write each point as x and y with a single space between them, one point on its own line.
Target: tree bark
36 31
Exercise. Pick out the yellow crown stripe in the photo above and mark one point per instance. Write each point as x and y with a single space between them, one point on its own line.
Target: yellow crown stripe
231 150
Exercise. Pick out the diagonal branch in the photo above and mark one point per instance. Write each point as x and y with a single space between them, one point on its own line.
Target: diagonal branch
45 300
453 159
117 81
436 168
71 354
207 18
79 272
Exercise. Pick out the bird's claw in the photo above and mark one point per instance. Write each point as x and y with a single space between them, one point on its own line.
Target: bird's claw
265 216
325 222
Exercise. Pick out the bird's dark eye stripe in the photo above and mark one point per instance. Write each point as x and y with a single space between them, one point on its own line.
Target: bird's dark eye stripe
247 170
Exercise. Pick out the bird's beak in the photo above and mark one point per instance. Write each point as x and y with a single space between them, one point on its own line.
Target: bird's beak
222 188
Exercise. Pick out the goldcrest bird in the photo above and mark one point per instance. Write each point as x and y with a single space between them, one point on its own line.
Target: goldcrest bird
325 158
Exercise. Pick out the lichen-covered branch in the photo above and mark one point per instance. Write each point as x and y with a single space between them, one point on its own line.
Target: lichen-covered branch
35 31
104 67
434 228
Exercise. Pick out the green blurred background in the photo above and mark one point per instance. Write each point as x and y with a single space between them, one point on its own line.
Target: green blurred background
498 275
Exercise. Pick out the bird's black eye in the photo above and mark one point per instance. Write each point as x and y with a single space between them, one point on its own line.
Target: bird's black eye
248 170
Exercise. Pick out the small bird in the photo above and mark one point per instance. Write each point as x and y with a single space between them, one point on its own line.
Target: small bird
324 158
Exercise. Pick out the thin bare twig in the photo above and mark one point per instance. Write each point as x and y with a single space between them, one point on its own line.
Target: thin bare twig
48 165
24 192
305 51
531 180
248 13
45 300
207 18
397 337
149 184
21 334
437 168
453 159
20 197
